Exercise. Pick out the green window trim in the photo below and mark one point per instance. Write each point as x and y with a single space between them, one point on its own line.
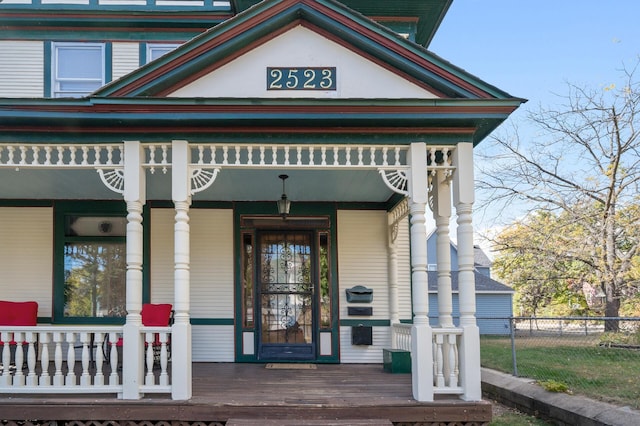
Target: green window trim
63 209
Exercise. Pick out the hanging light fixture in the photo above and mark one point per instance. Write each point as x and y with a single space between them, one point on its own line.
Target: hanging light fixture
283 203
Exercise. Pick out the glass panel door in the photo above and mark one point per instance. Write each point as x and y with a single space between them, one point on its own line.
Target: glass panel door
286 288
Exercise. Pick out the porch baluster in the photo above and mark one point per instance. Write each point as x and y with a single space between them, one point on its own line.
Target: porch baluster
250 155
71 360
85 378
18 378
45 378
439 358
149 380
98 341
164 358
113 359
32 379
58 378
453 360
237 149
5 379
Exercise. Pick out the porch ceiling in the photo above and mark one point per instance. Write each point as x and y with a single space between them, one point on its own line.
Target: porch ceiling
230 185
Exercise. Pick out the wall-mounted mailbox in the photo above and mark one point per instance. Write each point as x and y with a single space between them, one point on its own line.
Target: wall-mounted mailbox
359 294
362 335
360 310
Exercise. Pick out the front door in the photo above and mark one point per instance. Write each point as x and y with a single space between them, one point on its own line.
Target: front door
285 295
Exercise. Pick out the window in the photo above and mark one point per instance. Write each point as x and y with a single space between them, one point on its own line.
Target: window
432 267
154 51
94 266
90 262
78 69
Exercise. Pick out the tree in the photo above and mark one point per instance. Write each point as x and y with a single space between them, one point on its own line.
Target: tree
584 169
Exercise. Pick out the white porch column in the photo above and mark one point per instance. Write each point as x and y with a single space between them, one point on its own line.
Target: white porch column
393 274
134 196
463 195
442 214
181 379
421 334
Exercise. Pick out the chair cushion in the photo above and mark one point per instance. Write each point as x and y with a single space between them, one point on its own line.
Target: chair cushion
156 315
18 313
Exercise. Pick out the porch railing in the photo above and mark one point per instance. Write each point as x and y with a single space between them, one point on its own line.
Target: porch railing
80 359
446 361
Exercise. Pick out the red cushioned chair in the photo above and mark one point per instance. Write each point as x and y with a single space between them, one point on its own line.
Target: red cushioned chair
156 315
18 314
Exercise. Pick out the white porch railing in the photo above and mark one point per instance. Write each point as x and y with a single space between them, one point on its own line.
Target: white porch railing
445 343
80 359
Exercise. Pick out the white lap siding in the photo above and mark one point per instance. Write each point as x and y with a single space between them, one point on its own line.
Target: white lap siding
26 255
126 58
403 252
363 260
211 272
21 69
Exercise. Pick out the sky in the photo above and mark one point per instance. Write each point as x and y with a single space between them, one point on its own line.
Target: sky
532 48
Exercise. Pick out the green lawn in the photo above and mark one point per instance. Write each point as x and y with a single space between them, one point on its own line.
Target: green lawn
607 374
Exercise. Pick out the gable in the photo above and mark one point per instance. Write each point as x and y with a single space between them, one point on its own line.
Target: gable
302 49
243 43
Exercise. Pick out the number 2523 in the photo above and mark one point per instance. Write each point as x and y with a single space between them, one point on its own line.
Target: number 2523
301 78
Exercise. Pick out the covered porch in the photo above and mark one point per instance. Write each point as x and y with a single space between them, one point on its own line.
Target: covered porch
445 360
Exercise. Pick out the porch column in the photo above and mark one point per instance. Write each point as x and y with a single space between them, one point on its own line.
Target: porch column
134 196
442 214
463 195
421 334
393 273
181 379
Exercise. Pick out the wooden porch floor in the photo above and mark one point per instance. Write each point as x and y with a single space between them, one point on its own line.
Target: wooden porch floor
251 391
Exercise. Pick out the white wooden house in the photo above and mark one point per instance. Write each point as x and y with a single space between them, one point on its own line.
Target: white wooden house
142 145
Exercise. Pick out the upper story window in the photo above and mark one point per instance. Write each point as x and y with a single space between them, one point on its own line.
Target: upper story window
155 50
78 69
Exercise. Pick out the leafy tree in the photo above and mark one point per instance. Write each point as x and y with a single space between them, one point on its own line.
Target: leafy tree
583 167
528 261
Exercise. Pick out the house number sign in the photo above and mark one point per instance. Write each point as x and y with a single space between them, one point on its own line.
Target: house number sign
301 78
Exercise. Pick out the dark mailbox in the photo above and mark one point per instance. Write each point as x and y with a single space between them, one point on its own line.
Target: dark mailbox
360 310
362 335
359 294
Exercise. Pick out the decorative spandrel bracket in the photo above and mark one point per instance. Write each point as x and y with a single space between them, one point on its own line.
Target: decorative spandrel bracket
396 215
396 180
202 179
113 179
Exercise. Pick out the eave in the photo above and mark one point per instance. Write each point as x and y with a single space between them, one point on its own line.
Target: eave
448 120
106 24
428 13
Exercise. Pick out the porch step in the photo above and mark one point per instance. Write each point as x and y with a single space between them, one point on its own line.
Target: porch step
309 422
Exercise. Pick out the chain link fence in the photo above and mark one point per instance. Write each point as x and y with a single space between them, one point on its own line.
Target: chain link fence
570 354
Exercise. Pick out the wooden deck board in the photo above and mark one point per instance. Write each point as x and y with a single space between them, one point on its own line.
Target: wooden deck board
250 391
